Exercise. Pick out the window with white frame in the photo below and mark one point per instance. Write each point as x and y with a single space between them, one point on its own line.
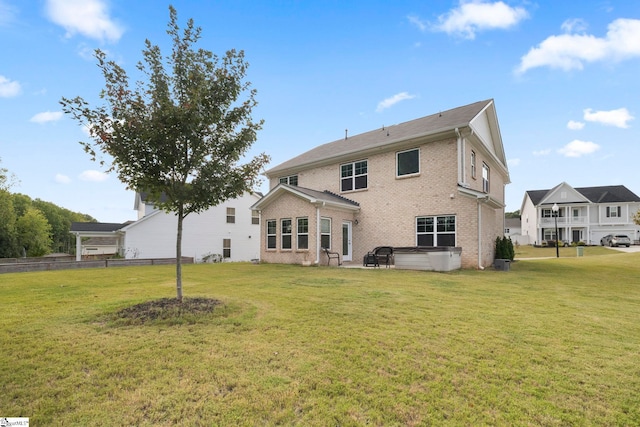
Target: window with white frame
231 215
302 232
325 233
255 217
271 234
285 233
614 211
408 162
436 230
226 248
473 164
291 180
353 176
485 178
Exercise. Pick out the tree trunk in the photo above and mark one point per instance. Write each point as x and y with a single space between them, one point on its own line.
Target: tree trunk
179 255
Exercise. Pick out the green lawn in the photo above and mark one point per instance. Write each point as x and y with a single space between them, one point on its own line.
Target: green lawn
528 251
549 343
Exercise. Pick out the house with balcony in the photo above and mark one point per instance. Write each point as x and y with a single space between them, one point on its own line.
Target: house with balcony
583 214
437 181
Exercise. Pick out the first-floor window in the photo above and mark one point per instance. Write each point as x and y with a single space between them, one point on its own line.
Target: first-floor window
325 233
226 248
285 232
436 230
549 234
271 234
303 233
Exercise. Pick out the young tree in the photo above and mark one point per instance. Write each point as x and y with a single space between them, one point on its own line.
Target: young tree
182 132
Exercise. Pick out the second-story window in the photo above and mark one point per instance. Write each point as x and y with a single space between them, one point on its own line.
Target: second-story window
408 162
485 178
614 211
353 176
291 180
255 217
231 215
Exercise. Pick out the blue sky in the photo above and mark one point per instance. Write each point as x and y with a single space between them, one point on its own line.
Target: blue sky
564 77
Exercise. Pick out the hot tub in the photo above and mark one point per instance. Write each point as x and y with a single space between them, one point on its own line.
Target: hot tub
430 258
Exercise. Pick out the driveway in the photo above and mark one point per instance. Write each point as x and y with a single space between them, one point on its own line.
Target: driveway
632 248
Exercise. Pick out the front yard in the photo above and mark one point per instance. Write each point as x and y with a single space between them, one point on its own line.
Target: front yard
552 342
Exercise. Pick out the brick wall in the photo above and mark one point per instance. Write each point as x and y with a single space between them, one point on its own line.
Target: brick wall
390 205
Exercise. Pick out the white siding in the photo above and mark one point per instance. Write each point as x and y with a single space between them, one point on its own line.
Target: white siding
154 236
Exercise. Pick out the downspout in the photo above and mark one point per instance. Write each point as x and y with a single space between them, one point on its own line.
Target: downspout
461 156
480 234
480 200
318 234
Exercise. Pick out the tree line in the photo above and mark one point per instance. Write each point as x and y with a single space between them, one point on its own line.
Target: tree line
33 227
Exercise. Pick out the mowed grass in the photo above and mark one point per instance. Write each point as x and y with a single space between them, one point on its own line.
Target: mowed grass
549 343
529 251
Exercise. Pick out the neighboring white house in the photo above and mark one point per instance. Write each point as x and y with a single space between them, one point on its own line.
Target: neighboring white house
584 214
229 232
513 230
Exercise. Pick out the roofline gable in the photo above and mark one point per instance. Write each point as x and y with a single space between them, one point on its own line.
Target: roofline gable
312 196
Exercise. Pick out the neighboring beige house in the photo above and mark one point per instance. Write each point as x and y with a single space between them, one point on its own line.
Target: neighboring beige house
585 214
434 181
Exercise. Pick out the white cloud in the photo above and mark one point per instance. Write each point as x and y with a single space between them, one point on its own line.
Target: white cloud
473 16
62 179
8 88
93 176
574 25
87 17
415 20
545 152
47 116
513 162
617 118
393 100
7 14
573 125
571 51
577 148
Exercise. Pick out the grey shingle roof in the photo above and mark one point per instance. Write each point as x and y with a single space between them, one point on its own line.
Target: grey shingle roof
433 124
605 194
100 227
324 195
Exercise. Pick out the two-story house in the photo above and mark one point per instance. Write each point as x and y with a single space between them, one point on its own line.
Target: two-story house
583 214
229 231
434 181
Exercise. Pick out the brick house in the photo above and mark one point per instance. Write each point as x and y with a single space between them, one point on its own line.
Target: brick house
434 181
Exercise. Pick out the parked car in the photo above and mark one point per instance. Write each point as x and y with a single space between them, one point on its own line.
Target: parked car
615 240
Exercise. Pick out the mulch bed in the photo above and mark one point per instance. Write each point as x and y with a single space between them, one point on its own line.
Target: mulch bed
168 308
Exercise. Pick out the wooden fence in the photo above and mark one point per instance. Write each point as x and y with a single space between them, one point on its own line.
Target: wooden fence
23 265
